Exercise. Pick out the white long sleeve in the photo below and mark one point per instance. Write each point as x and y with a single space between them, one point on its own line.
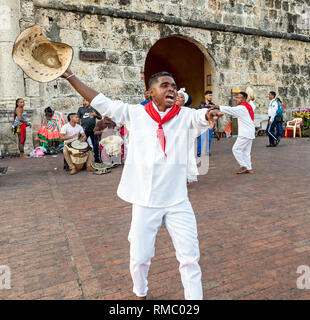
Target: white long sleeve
246 127
272 110
149 177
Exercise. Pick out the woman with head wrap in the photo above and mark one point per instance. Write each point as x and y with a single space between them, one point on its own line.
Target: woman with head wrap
49 132
185 100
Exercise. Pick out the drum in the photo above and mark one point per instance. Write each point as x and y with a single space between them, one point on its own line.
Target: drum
78 151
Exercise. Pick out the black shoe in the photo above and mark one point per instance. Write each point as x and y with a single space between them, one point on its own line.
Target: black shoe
270 145
198 154
277 142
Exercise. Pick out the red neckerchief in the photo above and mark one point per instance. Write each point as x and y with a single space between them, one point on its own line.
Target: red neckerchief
149 108
250 109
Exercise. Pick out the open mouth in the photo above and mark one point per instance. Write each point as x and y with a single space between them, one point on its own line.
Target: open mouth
170 97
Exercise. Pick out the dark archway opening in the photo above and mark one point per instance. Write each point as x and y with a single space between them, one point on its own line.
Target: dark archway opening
185 61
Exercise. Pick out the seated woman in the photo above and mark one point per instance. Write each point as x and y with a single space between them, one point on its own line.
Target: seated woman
49 133
106 128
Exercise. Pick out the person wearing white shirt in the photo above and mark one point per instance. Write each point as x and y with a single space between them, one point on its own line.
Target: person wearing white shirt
272 121
154 176
69 132
244 112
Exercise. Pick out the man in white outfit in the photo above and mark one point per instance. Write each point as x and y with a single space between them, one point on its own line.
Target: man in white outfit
244 111
272 121
154 176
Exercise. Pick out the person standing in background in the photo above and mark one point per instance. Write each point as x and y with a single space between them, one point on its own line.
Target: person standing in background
206 104
272 122
280 120
88 116
19 125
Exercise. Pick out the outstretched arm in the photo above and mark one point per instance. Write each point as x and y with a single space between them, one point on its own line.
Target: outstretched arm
86 92
116 110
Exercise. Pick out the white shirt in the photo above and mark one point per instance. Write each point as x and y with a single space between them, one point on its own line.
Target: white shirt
68 131
246 127
272 110
149 178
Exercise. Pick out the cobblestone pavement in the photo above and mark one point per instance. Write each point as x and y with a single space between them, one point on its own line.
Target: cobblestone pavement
65 237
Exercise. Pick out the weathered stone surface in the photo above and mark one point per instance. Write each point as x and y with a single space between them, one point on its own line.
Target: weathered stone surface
237 60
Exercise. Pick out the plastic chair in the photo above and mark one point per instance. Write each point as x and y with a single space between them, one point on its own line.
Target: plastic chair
294 125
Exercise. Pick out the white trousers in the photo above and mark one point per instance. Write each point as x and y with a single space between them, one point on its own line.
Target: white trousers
180 222
242 152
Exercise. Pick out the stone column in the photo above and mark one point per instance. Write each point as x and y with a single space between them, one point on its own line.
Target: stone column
11 76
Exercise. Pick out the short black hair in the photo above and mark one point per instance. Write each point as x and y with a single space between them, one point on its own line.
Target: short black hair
48 110
70 115
244 94
273 93
154 77
208 92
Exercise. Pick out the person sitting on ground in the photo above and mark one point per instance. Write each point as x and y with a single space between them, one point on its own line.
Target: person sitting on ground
70 132
49 132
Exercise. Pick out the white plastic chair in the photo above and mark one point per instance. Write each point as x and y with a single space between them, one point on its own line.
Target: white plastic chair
294 125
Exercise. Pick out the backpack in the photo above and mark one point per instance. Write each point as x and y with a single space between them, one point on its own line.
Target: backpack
280 109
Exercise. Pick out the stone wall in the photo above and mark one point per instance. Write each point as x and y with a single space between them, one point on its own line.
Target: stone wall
237 60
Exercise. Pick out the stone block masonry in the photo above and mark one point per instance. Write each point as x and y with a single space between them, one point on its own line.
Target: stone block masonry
256 43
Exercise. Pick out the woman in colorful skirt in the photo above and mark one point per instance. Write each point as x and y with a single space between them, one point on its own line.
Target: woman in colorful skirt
49 133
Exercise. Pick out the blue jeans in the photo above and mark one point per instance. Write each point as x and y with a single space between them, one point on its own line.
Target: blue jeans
94 141
273 136
279 126
202 139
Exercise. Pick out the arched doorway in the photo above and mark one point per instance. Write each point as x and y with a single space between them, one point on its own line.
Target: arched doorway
185 61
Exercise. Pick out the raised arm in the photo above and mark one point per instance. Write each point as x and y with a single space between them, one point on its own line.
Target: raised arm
86 92
116 110
233 111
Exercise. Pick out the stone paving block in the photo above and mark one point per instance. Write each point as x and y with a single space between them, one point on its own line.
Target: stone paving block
66 236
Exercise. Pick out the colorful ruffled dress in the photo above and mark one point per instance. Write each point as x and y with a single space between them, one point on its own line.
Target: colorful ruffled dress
50 129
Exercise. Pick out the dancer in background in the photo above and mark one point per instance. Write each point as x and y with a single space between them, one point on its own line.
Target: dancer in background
244 111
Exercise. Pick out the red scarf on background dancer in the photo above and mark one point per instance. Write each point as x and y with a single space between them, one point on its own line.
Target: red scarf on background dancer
23 132
149 108
250 109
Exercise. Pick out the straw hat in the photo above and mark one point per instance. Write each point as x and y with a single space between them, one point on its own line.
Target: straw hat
41 59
